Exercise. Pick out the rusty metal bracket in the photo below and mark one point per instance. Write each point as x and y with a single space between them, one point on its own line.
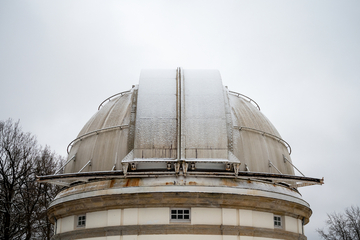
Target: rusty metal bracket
236 168
177 167
185 166
125 167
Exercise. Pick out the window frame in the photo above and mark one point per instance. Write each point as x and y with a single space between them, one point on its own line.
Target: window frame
183 214
278 221
83 221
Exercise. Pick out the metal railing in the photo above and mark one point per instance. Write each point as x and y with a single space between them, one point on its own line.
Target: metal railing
245 97
287 145
94 132
108 99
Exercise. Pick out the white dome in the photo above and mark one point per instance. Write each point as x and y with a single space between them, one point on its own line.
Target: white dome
175 115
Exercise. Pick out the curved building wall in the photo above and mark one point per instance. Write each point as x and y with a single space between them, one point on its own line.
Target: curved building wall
141 208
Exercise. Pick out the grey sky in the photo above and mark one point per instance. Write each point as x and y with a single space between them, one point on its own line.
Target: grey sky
300 60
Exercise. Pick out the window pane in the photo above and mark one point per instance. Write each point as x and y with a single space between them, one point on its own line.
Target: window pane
277 221
180 215
81 221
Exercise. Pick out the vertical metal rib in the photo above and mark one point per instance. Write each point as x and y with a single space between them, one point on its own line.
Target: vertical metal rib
178 113
131 134
182 114
229 123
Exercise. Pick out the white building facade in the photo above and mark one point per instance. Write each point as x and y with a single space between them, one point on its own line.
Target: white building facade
179 155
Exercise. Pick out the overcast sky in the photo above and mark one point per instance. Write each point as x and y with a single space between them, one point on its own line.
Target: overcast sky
299 60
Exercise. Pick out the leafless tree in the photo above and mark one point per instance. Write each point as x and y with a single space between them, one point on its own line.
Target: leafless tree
345 226
23 201
47 164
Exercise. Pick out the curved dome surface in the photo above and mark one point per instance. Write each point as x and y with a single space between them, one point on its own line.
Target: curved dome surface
179 115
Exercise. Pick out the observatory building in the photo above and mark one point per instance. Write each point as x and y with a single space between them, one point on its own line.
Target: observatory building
179 156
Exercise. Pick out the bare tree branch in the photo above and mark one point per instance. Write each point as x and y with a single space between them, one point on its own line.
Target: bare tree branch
23 201
344 226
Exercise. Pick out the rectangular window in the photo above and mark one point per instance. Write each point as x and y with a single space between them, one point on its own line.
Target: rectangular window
180 215
277 221
81 221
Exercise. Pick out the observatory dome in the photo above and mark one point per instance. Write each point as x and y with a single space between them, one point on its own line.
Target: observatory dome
196 120
179 155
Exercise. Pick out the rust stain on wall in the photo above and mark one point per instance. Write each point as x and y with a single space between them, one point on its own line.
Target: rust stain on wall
192 183
133 182
229 183
112 183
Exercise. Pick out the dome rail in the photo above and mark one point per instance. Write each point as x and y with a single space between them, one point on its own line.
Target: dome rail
245 97
286 144
295 181
109 98
93 133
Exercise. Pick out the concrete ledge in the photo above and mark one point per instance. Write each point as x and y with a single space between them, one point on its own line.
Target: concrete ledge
179 229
